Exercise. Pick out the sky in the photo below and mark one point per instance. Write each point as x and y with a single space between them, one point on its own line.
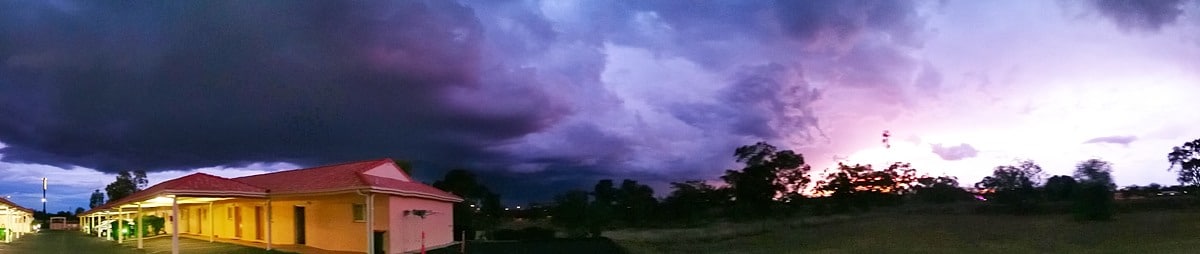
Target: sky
538 97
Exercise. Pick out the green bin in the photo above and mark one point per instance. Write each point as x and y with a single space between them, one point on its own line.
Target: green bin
3 234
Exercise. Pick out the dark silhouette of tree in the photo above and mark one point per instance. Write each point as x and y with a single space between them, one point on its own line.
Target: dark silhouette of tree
570 212
940 190
863 187
1014 185
96 200
756 186
1059 188
1187 157
1154 188
692 202
79 210
1094 195
122 187
470 214
635 202
139 179
405 166
602 208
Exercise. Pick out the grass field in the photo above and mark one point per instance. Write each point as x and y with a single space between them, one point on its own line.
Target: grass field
1140 232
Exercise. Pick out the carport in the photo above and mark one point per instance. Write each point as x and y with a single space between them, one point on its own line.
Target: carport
14 219
198 188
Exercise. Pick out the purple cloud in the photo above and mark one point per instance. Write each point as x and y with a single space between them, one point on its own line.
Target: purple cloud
1141 15
1120 140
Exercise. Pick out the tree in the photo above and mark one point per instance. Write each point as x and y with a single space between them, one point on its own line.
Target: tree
468 217
1059 188
602 208
1094 197
79 210
757 185
96 200
122 187
940 190
570 212
635 203
1014 185
863 186
139 179
405 166
691 201
1188 159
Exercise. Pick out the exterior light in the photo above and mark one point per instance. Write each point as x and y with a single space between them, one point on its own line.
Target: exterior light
43 200
518 207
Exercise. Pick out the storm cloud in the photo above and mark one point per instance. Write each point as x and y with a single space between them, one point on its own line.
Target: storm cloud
184 85
536 96
1141 15
512 87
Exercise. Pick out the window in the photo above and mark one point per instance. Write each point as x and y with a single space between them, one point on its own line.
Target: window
359 211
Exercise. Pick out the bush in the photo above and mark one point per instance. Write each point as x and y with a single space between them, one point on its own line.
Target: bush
153 225
1093 202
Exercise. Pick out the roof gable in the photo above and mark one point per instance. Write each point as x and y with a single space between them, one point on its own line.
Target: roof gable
315 179
388 170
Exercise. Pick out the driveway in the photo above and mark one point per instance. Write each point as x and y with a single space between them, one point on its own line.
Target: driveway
72 242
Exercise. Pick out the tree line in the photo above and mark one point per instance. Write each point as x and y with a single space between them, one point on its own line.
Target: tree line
774 182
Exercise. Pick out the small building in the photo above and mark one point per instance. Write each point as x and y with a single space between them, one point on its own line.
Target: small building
14 220
366 206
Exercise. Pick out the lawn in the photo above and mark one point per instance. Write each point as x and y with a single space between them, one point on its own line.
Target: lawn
1140 232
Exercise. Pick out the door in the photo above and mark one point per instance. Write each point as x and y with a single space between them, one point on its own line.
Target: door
380 236
237 221
258 224
299 212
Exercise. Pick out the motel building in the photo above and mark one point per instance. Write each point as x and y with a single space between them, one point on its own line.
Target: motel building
15 221
365 207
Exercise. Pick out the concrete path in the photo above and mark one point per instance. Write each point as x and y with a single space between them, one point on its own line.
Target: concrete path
73 242
64 242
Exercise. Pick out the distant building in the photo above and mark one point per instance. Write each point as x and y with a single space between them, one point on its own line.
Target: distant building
326 207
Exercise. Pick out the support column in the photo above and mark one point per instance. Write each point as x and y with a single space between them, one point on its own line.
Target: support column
99 218
269 222
140 226
175 225
370 214
212 226
7 220
120 225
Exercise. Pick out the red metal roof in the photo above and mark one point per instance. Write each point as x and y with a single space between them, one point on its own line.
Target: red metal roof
337 177
322 178
194 185
329 178
15 205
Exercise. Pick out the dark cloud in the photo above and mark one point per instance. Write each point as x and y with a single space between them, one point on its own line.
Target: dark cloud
1141 15
177 85
953 153
764 101
512 88
1120 140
